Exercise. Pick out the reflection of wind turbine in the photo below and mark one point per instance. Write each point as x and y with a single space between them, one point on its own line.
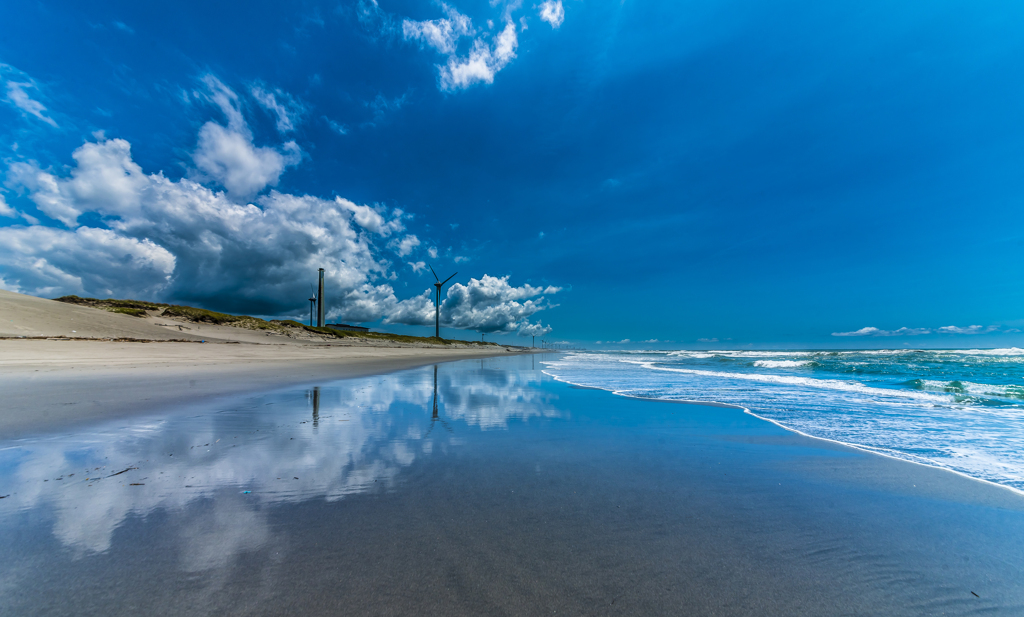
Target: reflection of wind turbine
437 303
434 417
316 406
312 302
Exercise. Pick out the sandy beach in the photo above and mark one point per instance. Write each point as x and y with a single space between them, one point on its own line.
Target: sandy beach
62 365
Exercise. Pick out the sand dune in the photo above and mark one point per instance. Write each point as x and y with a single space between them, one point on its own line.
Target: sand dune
29 316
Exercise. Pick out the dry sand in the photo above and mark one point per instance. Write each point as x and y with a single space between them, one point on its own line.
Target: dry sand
80 374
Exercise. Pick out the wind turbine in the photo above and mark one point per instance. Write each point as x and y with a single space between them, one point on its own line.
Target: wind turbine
437 303
312 303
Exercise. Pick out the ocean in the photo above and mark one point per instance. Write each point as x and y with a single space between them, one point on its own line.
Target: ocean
958 409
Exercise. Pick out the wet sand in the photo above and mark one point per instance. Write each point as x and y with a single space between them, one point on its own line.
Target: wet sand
53 385
495 491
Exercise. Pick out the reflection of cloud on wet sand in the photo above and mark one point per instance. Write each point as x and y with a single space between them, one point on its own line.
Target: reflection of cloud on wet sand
367 431
490 398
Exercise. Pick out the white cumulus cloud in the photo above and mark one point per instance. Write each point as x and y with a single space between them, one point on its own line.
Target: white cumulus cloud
482 63
530 329
441 34
406 245
117 230
552 12
228 155
46 261
182 241
489 304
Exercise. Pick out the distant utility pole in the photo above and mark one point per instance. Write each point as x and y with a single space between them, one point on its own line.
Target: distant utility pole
534 343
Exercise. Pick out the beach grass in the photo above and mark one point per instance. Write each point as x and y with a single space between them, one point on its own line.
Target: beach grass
141 308
112 303
134 312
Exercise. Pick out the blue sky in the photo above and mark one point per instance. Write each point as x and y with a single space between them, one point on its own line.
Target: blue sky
757 173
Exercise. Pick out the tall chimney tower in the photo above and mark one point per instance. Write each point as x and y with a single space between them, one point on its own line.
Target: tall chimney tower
320 308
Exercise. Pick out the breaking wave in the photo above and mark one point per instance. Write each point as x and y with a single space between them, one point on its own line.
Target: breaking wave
957 409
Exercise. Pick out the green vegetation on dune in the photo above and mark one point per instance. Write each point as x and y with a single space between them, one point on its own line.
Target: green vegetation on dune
134 312
224 319
112 303
139 308
378 336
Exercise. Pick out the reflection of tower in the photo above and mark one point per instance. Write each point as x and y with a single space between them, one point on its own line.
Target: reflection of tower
434 417
316 406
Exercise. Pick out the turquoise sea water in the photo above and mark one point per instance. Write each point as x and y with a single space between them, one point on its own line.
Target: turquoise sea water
962 410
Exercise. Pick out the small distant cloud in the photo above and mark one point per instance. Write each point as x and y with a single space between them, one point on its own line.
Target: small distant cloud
454 226
624 341
120 25
967 330
382 106
483 62
552 12
406 245
534 329
18 93
6 210
374 19
417 266
540 235
441 34
652 340
707 340
460 259
282 105
873 331
866 331
340 129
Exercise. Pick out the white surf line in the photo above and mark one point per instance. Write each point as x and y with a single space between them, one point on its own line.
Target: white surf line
859 447
790 380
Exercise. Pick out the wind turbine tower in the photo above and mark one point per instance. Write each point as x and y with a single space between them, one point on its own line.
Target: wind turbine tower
437 302
312 303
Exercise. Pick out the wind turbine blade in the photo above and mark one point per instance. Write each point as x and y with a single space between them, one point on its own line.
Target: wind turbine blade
449 278
434 273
